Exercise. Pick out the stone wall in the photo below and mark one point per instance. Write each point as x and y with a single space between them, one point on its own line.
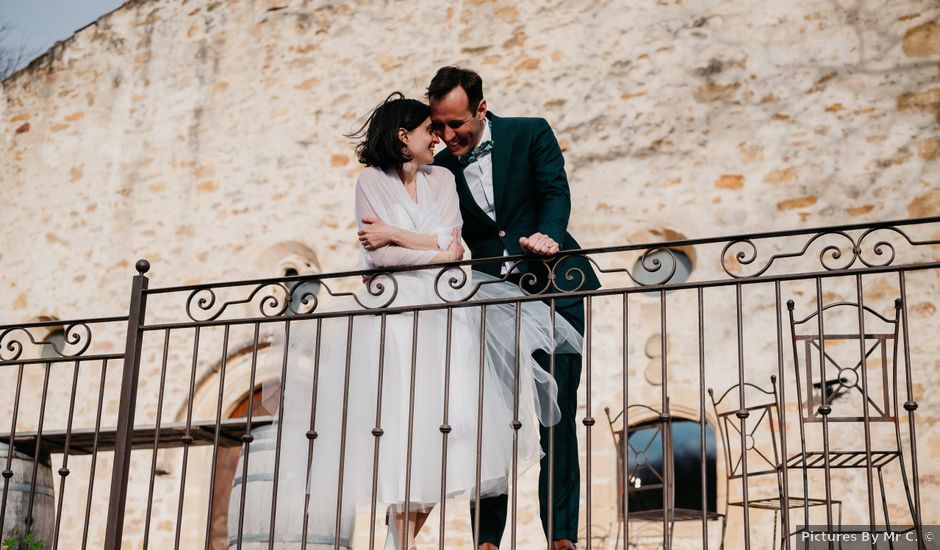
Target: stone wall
207 137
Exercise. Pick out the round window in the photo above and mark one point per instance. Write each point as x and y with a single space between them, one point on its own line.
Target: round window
647 274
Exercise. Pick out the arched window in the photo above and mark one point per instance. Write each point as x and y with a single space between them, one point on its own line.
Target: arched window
677 260
645 273
646 468
290 259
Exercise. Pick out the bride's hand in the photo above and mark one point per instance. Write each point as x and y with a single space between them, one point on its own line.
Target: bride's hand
455 249
375 233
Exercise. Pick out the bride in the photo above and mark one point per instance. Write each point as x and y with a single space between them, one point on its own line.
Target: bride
367 377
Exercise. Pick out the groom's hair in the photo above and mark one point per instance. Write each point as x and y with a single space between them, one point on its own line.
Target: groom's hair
448 78
380 146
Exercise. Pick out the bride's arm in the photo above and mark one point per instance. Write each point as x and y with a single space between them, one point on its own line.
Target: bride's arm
375 234
393 255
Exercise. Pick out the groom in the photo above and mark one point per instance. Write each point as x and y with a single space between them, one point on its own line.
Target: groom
514 199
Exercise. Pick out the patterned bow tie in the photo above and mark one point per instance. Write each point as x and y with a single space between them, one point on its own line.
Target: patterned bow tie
478 152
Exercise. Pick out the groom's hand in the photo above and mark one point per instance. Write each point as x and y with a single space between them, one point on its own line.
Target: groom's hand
375 234
540 244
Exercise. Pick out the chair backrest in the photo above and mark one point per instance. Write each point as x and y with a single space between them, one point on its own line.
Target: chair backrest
662 457
845 359
647 454
748 419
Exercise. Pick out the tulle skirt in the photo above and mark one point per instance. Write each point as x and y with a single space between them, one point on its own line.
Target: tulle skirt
368 394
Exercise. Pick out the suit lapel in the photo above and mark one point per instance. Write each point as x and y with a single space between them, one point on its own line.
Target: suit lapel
502 153
449 161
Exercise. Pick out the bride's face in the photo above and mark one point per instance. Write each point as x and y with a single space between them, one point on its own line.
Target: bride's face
421 142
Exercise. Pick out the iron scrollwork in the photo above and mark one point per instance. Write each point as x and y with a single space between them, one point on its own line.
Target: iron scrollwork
650 261
204 299
77 337
561 274
881 253
747 253
276 299
883 248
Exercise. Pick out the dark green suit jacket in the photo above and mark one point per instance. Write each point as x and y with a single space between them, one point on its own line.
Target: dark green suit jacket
531 193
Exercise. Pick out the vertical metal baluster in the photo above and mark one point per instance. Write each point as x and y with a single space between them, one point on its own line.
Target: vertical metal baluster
782 408
117 500
215 440
38 449
588 419
626 422
377 431
445 429
247 438
824 408
156 436
865 411
277 438
516 426
884 361
803 412
701 415
551 444
910 405
742 413
312 433
406 525
479 443
8 469
342 437
94 453
187 438
666 425
64 470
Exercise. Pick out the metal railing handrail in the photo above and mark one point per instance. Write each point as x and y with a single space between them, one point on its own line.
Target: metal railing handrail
511 259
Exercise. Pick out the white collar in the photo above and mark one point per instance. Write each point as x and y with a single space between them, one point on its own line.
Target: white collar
487 135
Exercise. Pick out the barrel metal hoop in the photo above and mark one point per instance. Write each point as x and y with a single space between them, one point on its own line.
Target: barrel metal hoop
311 539
258 476
28 487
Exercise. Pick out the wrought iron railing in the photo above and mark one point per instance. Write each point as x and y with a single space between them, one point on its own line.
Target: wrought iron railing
776 387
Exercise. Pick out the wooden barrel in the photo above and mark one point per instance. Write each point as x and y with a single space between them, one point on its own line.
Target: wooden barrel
258 486
19 487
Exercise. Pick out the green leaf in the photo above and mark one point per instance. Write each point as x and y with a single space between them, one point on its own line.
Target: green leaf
31 542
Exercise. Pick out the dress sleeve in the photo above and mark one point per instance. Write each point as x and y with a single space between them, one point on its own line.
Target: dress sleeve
391 255
447 205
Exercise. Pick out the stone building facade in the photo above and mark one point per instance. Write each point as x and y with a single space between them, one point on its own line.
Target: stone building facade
207 137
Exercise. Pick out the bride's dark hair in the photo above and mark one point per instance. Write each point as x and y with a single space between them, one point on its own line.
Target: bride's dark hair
380 146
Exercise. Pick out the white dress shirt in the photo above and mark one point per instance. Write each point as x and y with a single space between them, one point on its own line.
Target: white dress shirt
479 176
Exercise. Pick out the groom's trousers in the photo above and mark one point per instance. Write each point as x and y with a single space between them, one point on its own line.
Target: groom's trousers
566 483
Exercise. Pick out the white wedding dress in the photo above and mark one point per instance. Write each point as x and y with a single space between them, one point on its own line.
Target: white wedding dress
341 372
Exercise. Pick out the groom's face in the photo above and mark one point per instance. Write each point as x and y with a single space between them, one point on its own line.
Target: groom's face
458 127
